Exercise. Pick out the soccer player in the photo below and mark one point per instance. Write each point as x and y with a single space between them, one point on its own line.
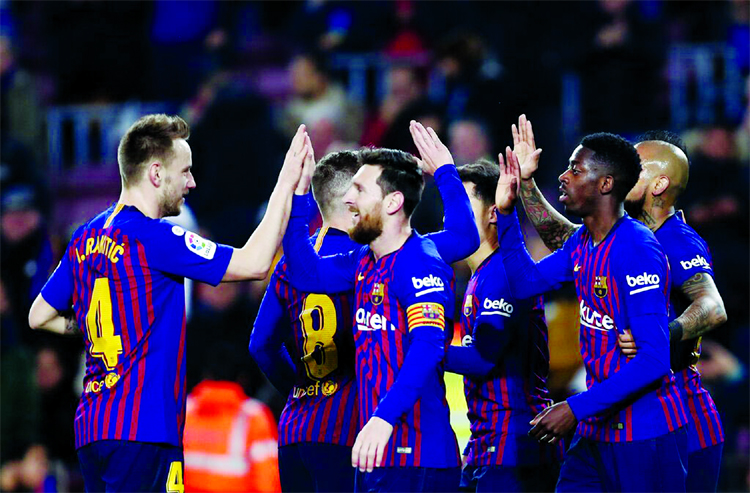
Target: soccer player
693 296
315 452
630 434
403 304
505 359
122 274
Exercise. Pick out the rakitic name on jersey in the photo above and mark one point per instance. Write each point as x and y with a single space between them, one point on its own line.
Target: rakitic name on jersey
102 245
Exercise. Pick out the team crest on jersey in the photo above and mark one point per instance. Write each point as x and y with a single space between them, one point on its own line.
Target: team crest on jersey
376 296
468 305
600 286
200 246
329 387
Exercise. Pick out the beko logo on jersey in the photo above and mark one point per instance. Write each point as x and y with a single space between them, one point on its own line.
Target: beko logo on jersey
698 261
372 321
648 281
430 282
594 320
467 341
497 307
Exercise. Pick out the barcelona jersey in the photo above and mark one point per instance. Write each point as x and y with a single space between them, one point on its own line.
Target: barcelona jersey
688 255
123 275
324 398
502 404
622 284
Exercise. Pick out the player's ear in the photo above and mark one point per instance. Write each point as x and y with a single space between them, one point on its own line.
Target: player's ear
394 202
492 213
154 172
606 184
661 185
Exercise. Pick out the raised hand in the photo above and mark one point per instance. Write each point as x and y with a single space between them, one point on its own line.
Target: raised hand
509 184
433 152
291 171
525 147
308 169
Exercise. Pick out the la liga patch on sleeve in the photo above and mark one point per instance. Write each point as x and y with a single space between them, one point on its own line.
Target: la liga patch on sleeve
200 246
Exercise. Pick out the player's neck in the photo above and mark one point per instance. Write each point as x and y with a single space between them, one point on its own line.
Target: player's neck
136 197
392 238
485 250
342 222
653 215
601 222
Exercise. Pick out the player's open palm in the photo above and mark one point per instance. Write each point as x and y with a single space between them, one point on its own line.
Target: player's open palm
433 152
509 184
369 447
525 148
291 171
308 168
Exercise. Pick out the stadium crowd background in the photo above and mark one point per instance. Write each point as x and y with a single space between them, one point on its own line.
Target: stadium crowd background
76 74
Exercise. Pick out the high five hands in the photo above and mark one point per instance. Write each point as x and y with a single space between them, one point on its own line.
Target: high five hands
433 152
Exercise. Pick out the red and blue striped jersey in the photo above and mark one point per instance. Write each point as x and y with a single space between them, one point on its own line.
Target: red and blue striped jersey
323 403
502 404
689 255
404 299
123 274
622 284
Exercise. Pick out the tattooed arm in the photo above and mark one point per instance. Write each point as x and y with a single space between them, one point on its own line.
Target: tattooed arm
706 310
552 226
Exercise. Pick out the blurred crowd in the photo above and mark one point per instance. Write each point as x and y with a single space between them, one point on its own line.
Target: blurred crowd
245 74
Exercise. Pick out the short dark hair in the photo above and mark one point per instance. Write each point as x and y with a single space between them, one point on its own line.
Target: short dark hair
663 136
400 173
620 158
332 177
484 174
152 136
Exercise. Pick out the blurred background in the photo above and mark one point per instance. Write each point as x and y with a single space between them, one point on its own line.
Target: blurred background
76 74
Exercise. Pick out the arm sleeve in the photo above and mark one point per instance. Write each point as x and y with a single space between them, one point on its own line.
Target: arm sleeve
493 327
525 277
650 364
306 269
171 249
58 290
643 285
459 237
267 343
426 325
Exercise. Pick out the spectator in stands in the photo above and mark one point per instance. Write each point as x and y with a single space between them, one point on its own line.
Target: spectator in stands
321 104
230 440
469 141
403 86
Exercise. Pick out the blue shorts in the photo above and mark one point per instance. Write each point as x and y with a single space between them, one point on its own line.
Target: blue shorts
703 469
481 479
402 479
316 467
119 465
656 464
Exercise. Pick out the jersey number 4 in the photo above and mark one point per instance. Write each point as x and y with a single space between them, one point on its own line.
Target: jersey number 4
318 319
101 330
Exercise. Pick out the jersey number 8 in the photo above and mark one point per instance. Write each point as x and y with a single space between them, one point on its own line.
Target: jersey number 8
318 319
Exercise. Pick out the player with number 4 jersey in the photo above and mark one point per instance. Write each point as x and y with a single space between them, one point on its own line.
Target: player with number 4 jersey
123 276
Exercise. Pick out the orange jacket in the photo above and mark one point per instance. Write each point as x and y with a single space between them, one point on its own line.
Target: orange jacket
231 441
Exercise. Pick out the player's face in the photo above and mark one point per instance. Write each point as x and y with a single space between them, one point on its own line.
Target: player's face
365 201
636 198
579 183
178 179
484 216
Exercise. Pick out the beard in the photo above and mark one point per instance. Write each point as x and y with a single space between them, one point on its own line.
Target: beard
635 207
169 205
367 230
